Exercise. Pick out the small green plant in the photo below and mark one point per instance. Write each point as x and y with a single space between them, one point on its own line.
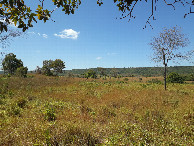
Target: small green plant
2 96
143 85
1 101
120 82
7 75
47 137
50 114
125 79
30 76
21 102
108 112
140 79
4 88
14 110
154 81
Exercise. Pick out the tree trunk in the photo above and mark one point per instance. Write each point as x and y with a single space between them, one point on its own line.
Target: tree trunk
165 64
165 76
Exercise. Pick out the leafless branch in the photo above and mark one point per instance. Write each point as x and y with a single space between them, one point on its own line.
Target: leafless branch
130 12
154 9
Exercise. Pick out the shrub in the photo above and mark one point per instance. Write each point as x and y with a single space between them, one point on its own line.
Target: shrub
175 78
2 96
21 71
125 79
154 81
7 75
91 74
30 76
140 79
47 72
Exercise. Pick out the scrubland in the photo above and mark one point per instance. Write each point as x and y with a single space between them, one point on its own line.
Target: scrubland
72 111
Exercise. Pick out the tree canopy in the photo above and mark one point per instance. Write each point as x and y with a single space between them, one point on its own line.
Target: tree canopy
57 66
23 16
11 63
47 66
167 45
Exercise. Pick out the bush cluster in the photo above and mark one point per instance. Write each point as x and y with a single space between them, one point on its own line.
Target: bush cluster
175 78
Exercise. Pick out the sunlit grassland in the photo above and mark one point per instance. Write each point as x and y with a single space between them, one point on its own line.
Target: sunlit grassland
63 111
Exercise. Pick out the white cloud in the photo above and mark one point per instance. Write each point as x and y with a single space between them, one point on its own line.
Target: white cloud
39 34
98 58
68 33
45 36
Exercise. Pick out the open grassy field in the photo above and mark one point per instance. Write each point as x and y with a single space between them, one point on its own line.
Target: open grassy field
71 111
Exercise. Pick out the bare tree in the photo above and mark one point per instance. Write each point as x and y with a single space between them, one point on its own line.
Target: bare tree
166 47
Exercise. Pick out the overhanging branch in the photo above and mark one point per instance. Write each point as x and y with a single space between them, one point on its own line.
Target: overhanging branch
154 9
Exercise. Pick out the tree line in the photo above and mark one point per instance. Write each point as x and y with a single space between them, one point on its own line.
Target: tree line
13 66
187 72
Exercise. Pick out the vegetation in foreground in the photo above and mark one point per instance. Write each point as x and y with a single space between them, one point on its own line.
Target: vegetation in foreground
44 110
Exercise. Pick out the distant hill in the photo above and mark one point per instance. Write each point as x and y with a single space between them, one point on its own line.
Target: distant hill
134 71
139 71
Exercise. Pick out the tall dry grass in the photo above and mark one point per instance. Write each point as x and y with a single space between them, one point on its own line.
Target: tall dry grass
71 111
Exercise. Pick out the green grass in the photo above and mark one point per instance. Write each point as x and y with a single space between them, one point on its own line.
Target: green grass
64 111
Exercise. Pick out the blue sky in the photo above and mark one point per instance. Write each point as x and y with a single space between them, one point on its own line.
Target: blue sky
93 37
